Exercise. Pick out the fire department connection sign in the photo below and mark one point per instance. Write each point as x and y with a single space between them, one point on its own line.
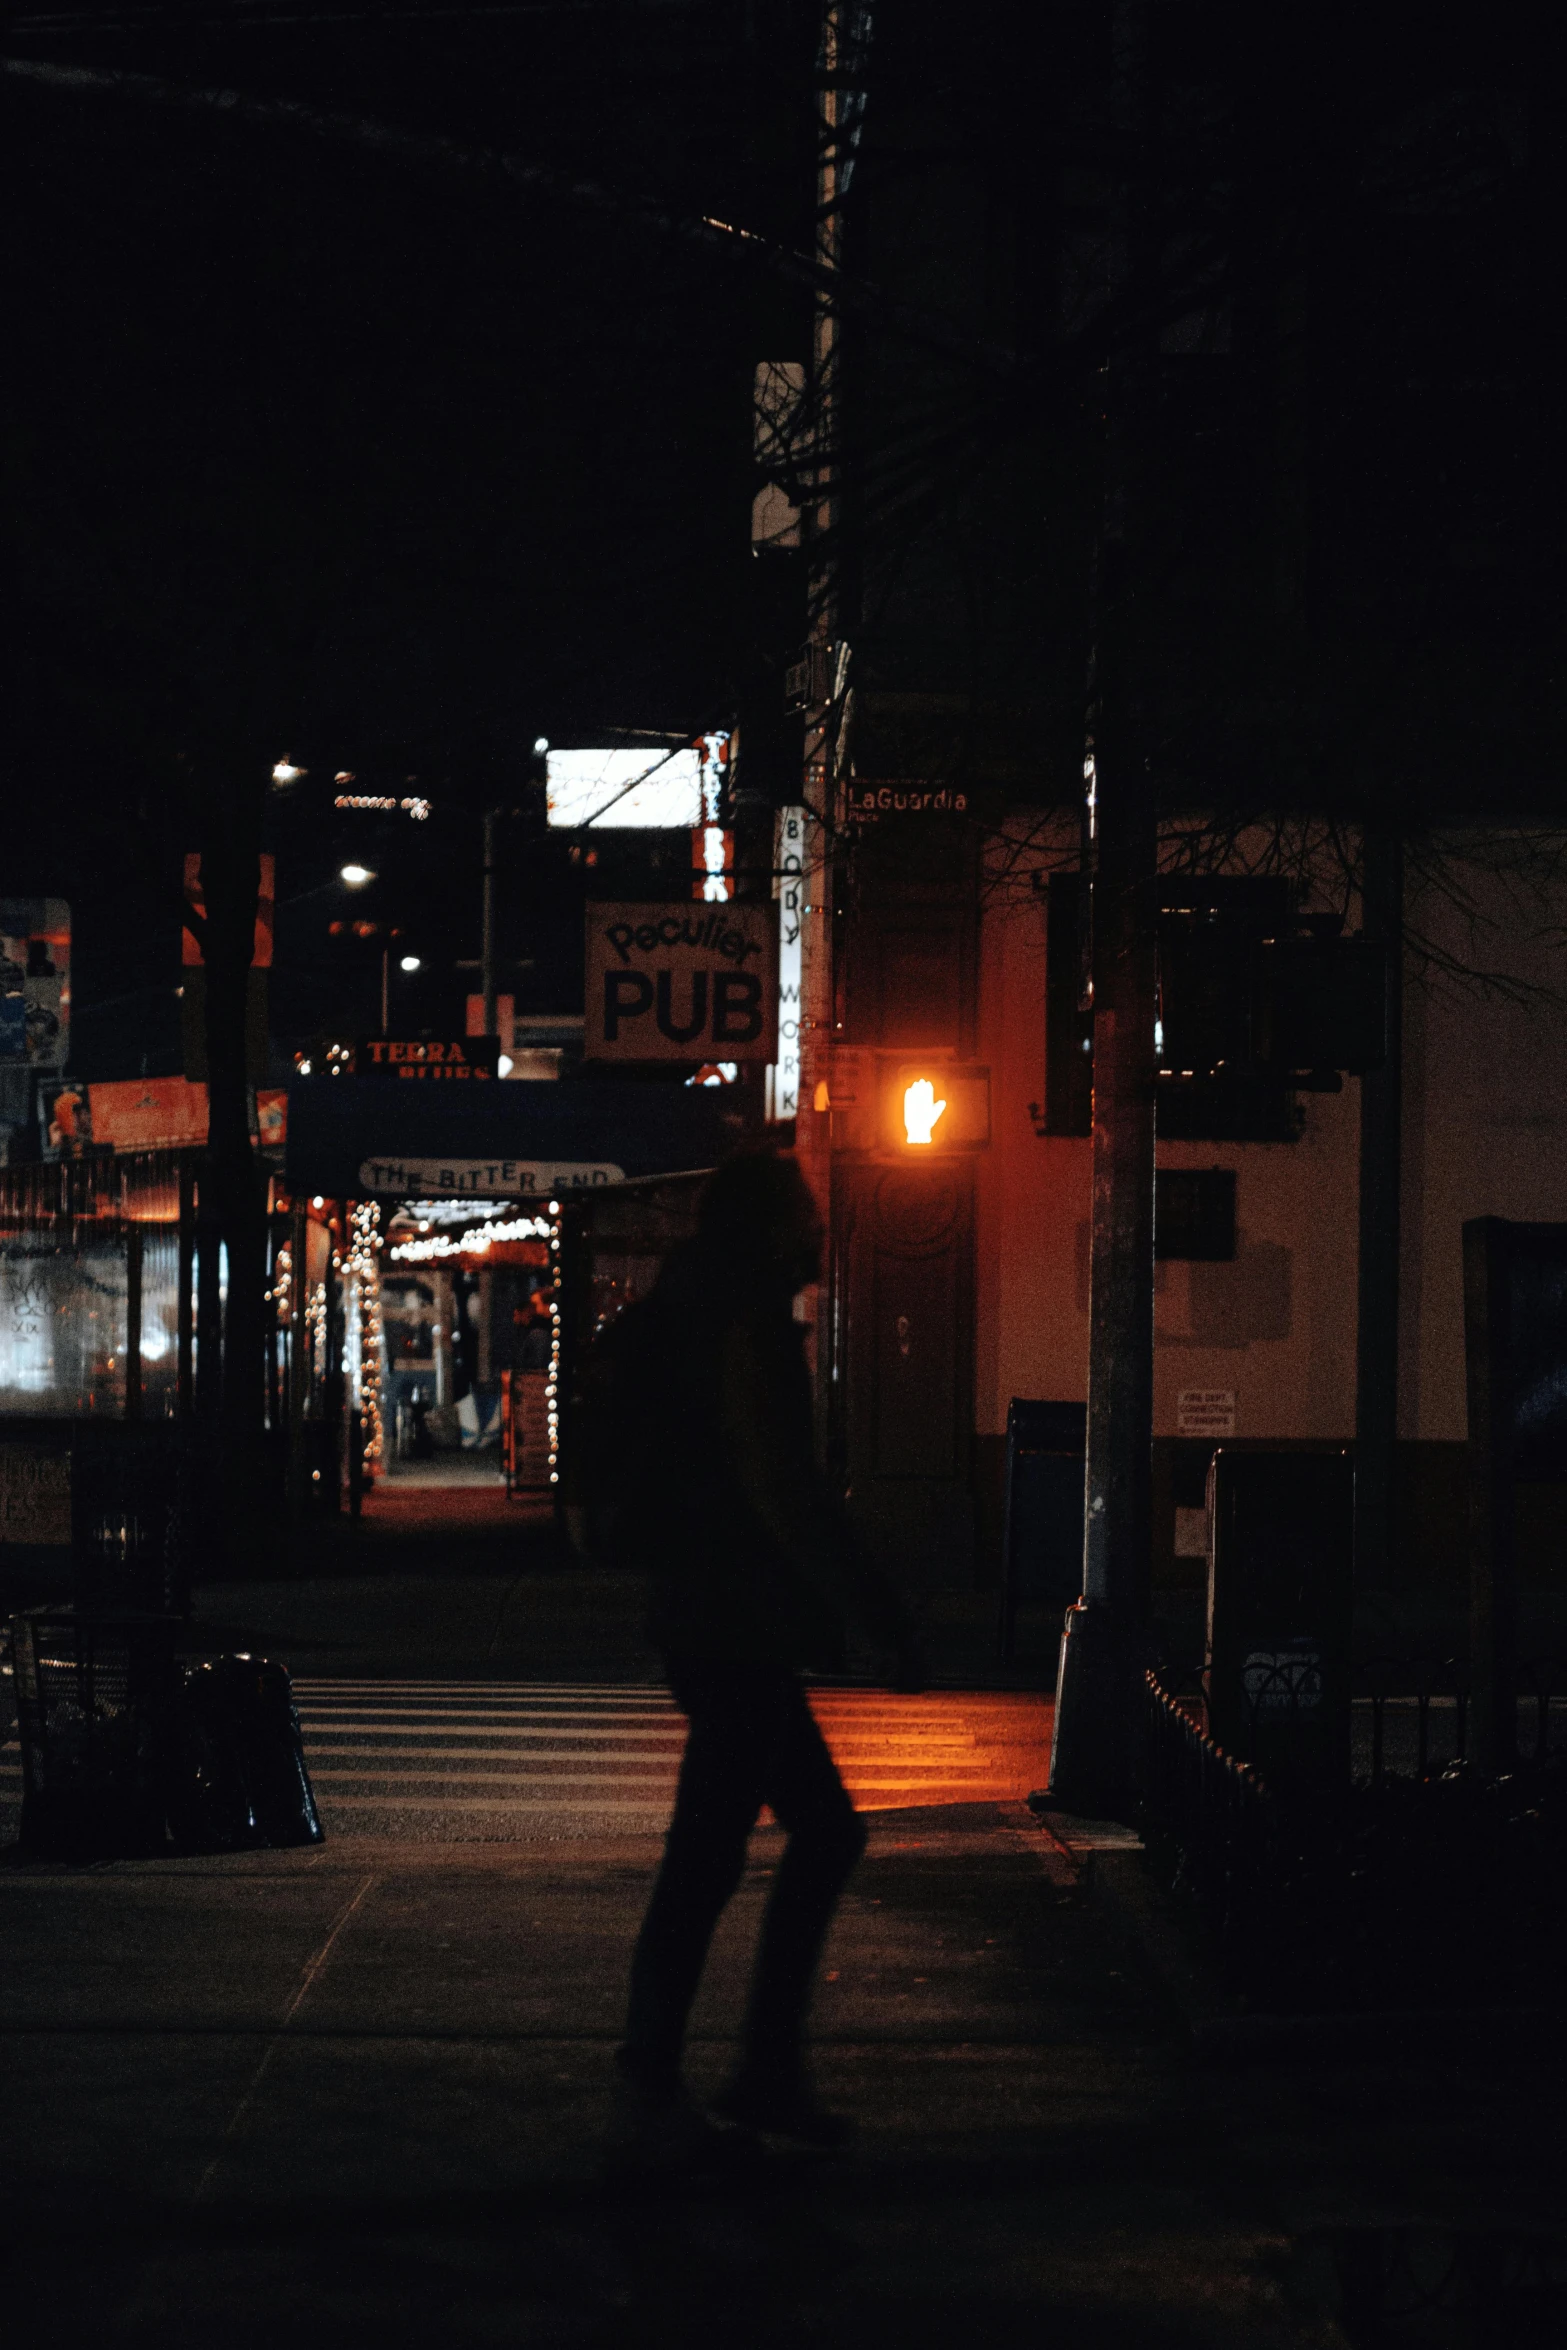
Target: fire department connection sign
682 983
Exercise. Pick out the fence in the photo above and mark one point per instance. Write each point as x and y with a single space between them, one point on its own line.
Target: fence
1211 1821
1409 1714
1425 1880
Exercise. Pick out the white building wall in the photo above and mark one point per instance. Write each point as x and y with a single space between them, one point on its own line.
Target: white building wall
1485 1110
1485 1134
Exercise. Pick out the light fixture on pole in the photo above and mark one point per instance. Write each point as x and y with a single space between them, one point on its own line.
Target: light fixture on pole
356 875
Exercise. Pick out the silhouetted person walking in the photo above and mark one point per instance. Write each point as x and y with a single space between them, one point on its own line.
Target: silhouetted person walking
754 1572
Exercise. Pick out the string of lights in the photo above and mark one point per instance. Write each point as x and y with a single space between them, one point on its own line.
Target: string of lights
363 1267
280 1295
552 1377
434 1247
315 1325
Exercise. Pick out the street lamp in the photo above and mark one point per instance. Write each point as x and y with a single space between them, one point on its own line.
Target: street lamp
409 963
356 875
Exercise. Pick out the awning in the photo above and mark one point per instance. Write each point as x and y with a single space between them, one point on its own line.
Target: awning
511 1139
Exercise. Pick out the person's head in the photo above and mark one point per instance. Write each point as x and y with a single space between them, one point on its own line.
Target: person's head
757 1213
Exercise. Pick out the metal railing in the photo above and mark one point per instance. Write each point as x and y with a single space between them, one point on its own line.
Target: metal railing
1409 1715
1212 1821
1411 1882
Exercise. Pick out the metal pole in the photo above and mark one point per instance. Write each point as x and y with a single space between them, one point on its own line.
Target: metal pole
1093 1755
184 1304
820 788
334 1397
133 1268
1381 1107
487 941
1493 1547
298 1355
209 1297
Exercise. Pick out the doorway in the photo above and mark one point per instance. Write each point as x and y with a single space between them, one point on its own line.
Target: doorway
906 1314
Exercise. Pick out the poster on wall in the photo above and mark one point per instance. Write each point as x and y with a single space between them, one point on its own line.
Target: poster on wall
35 981
149 1114
64 1118
35 1496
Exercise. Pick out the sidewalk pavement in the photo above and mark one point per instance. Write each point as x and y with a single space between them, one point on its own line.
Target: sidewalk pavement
357 2094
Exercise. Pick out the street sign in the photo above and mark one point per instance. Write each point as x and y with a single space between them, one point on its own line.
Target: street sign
1205 1411
866 801
451 1060
682 983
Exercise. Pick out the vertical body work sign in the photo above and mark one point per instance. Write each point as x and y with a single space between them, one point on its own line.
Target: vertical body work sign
789 890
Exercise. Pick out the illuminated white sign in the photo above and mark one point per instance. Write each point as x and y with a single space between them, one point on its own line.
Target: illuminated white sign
478 1240
789 890
643 789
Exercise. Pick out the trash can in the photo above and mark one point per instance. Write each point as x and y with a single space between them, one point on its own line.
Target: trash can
240 1781
95 1700
1280 1603
127 1753
1042 1528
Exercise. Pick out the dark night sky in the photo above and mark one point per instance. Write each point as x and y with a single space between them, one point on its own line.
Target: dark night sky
392 465
385 464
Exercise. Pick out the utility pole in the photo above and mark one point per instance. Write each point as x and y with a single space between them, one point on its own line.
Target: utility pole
1381 1121
487 937
1094 1756
298 1358
821 794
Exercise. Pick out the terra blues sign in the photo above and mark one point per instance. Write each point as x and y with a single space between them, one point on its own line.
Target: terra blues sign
452 1060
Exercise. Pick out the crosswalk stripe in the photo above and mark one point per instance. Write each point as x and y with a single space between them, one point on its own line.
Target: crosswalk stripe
445 1758
507 1757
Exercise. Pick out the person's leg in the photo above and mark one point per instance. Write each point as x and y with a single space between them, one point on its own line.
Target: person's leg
826 1839
716 1805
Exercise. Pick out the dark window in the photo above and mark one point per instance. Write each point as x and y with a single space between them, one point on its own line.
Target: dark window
1194 1213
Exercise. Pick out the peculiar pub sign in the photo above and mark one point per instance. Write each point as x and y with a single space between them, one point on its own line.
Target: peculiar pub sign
682 982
